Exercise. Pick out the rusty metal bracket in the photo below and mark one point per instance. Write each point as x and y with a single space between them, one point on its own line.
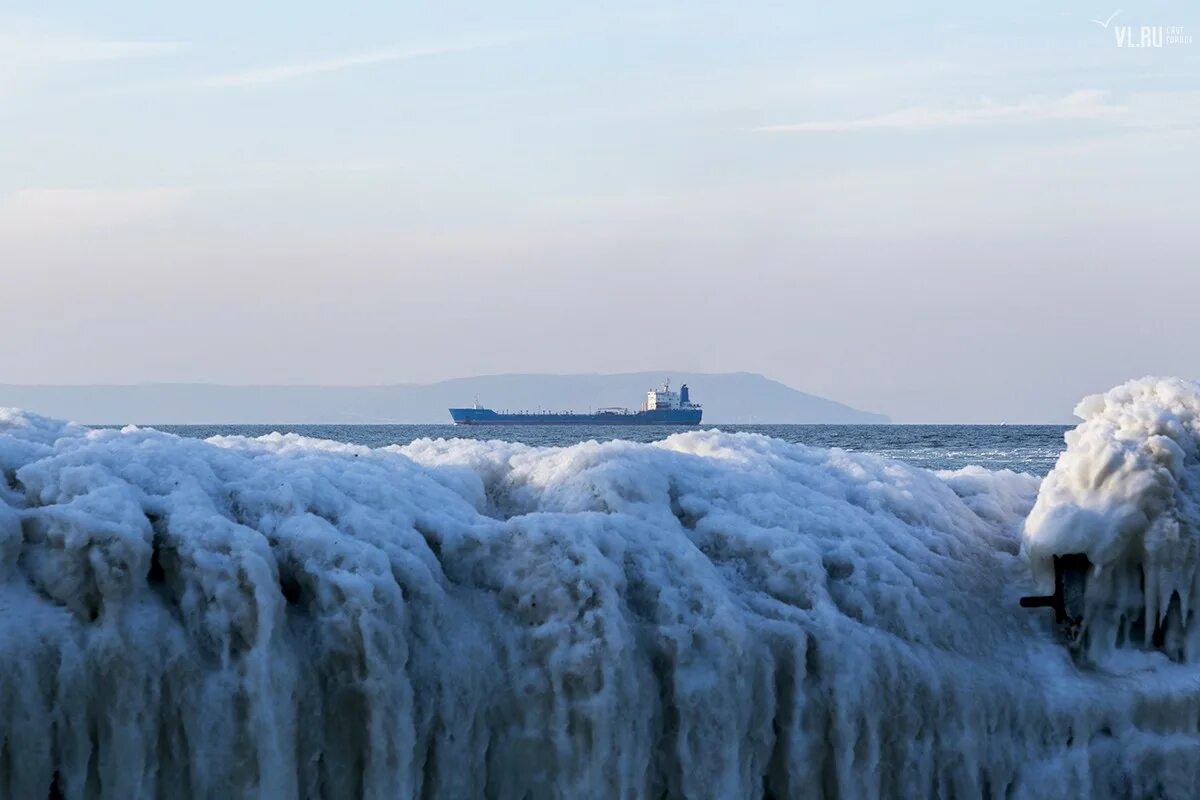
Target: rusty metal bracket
1070 585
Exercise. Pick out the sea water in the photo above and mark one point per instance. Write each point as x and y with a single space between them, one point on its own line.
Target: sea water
1022 448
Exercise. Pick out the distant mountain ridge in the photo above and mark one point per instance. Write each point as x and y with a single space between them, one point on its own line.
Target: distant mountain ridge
737 397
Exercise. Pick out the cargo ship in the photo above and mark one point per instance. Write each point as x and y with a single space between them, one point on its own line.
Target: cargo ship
661 407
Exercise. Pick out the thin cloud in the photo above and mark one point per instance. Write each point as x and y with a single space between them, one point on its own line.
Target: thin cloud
26 55
38 49
1081 105
80 49
287 72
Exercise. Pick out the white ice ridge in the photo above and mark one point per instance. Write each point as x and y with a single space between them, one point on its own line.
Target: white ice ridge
1126 493
710 616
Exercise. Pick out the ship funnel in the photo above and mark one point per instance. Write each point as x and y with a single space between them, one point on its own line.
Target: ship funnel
683 394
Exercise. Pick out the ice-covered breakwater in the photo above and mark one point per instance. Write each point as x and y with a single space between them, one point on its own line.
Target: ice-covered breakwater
713 615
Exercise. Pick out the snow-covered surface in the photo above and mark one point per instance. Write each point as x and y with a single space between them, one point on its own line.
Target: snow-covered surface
1126 492
713 615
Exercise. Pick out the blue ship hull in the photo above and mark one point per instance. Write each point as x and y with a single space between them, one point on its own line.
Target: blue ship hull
663 416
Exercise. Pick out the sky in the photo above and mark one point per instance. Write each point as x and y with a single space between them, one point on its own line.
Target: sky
946 213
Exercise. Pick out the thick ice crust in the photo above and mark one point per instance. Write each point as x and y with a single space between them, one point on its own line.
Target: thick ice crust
1126 492
712 616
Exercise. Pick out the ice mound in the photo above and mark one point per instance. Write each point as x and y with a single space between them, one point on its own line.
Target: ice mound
710 616
1126 493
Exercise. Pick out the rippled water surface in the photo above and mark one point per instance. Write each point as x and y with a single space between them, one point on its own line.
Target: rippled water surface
1025 448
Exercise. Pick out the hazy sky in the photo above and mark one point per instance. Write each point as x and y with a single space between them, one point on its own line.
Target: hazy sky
968 212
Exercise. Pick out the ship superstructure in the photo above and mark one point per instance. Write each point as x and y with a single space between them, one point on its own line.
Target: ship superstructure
661 407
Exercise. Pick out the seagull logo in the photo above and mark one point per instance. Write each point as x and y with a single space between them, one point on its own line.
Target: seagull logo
1111 17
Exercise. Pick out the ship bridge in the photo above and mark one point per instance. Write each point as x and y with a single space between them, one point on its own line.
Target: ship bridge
663 399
